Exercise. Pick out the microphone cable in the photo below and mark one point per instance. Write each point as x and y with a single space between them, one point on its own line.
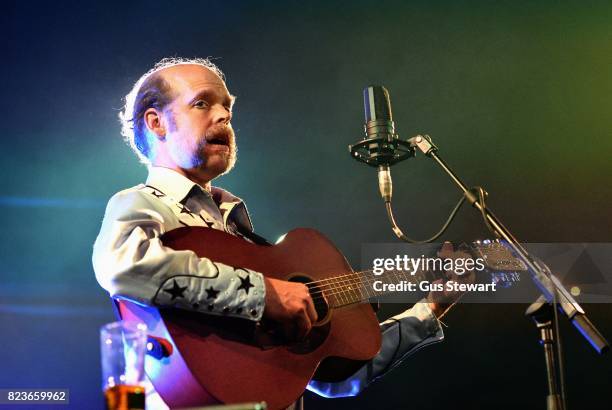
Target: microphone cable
398 232
481 193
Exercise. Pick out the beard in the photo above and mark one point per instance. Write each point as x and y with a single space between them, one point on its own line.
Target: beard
213 156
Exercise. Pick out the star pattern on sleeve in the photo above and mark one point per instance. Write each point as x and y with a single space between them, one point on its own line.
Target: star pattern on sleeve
176 291
211 293
245 283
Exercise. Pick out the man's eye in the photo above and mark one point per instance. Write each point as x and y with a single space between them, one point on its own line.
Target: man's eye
201 104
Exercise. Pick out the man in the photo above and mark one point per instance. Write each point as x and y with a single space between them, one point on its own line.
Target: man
177 119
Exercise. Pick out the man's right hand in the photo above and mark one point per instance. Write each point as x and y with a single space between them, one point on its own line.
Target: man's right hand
290 304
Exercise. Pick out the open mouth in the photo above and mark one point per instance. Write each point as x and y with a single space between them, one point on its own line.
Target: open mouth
218 138
218 141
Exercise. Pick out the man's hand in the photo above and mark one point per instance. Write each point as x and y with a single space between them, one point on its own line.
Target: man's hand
440 302
290 304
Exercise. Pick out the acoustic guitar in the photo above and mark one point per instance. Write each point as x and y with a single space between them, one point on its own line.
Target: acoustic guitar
206 359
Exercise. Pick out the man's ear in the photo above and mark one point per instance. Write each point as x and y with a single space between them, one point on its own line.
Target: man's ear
154 122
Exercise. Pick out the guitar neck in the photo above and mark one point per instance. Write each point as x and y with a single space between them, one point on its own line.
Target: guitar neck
360 287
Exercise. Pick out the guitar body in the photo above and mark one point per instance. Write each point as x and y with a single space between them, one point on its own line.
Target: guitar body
216 359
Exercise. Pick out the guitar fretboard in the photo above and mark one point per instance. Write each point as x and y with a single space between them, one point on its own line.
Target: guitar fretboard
357 287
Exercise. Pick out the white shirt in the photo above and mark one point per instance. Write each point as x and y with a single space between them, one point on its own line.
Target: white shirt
131 262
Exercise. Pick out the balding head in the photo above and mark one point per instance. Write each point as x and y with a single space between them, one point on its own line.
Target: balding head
183 77
156 89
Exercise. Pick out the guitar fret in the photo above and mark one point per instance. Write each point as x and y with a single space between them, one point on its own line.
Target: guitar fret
354 288
342 294
360 286
357 287
347 295
348 292
336 302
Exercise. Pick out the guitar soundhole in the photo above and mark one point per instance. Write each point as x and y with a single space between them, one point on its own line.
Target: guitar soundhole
317 297
269 336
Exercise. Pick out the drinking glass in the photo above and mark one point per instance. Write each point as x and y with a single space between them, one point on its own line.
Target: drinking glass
123 347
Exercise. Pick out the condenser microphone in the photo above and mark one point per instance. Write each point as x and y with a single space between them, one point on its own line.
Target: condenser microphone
381 146
378 114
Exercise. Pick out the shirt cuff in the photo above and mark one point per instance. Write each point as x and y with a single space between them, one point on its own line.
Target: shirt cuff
423 313
402 336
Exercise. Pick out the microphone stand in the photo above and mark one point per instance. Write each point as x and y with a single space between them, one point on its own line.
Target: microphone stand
542 315
552 289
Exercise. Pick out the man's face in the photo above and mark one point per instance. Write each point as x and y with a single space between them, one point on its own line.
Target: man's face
199 136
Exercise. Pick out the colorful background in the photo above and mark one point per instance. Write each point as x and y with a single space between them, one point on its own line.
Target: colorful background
516 94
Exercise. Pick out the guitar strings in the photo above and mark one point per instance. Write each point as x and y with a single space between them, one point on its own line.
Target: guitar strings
336 288
356 277
354 285
343 284
349 284
356 289
335 284
335 279
343 287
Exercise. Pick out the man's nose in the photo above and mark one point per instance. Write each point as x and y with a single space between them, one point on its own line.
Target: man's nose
221 114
